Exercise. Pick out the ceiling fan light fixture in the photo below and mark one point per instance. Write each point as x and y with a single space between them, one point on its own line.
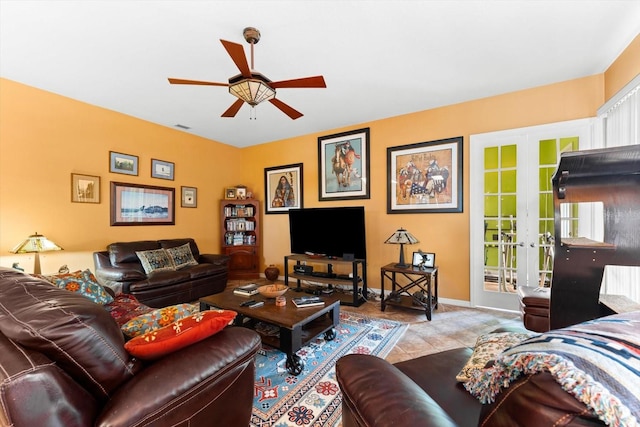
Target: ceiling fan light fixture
252 91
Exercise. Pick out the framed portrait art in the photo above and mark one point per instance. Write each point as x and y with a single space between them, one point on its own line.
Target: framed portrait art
123 163
343 165
283 188
425 177
135 204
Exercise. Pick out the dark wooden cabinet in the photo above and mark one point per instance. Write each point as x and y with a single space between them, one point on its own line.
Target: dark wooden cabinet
240 222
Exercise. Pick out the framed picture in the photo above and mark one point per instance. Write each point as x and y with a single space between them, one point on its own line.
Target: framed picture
425 177
230 193
123 163
343 165
424 259
134 204
283 188
189 197
241 193
85 188
161 169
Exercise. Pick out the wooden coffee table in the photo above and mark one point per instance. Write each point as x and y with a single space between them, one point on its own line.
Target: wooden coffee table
296 326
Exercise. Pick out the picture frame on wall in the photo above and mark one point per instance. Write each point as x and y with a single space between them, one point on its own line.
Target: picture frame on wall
85 188
161 169
189 197
425 177
123 163
343 165
135 204
283 188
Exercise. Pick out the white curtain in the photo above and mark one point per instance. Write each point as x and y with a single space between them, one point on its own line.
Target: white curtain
619 124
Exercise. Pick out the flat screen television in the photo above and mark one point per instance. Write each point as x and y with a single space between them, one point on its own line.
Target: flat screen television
333 232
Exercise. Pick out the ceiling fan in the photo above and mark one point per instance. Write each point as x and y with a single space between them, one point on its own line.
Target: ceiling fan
252 87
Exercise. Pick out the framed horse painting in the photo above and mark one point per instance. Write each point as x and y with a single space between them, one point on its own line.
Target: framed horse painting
425 177
343 165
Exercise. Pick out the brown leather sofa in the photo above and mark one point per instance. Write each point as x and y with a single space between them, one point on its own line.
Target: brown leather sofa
63 363
423 392
120 269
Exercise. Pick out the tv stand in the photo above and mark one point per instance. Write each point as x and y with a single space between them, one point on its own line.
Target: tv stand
357 281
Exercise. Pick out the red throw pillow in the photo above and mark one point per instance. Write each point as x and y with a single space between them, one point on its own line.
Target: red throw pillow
179 334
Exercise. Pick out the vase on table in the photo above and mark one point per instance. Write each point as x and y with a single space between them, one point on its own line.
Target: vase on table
272 273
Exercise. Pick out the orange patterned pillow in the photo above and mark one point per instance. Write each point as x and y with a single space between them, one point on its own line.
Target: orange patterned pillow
179 334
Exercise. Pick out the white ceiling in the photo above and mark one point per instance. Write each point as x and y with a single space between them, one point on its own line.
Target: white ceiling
379 58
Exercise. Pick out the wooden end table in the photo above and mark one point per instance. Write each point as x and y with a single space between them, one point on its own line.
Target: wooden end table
403 294
297 326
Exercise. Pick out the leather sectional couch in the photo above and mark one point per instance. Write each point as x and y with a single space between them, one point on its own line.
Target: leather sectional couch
63 363
120 269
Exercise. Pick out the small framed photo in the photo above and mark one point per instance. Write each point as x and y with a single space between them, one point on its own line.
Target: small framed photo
85 188
161 169
189 197
241 193
230 193
424 259
123 163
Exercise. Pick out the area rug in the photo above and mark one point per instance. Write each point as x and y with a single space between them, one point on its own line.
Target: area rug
313 397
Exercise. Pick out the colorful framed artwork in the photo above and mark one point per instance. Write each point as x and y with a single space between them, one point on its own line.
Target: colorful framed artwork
425 177
189 197
161 169
85 188
283 188
343 166
123 163
135 204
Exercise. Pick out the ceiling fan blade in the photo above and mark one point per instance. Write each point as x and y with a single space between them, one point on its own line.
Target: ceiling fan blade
236 52
294 114
194 82
233 110
315 81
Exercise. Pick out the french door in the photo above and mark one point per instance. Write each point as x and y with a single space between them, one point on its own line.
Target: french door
512 231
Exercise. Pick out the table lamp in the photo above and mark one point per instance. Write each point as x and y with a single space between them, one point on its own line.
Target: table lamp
401 237
35 243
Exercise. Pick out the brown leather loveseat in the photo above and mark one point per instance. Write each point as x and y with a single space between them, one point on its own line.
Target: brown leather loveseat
120 269
63 363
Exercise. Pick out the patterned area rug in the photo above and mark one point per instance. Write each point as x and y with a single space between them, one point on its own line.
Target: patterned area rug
313 397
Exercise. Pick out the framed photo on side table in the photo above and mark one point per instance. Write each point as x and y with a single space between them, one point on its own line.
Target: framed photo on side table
343 165
283 188
189 197
85 188
424 259
135 204
425 177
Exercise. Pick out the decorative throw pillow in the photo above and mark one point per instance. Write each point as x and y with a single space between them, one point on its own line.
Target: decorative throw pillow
155 260
180 334
125 307
181 256
157 319
487 347
84 283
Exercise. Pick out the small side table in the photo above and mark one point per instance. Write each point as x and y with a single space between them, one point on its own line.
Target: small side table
425 281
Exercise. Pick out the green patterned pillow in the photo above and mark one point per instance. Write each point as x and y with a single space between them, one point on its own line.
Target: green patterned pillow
155 260
181 256
487 347
84 283
157 319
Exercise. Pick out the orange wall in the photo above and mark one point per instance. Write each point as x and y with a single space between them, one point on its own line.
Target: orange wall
45 137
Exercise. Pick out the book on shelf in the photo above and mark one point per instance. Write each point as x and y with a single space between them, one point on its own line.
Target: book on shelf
310 301
247 290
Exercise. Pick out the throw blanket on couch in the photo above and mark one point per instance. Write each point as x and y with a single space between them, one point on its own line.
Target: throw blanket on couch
598 362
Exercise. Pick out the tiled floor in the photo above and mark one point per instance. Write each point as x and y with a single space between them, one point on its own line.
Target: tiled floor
451 326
